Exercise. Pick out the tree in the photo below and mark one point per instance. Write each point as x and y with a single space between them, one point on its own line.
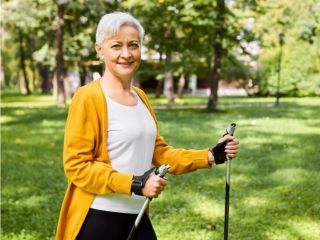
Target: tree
72 32
219 32
22 61
232 33
35 28
300 65
173 37
80 26
19 33
61 99
157 21
193 36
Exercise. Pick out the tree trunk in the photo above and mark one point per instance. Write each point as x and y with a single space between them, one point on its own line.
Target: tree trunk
54 85
47 83
169 87
159 88
23 66
45 78
217 55
136 81
182 83
83 74
41 75
32 65
169 84
33 79
61 99
160 81
214 77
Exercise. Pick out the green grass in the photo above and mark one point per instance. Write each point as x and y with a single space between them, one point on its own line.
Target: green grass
185 101
274 181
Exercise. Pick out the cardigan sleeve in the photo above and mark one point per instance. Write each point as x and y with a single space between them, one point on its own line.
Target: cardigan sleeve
181 161
82 168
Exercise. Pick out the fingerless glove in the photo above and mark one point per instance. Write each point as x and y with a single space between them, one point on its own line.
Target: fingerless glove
138 182
219 153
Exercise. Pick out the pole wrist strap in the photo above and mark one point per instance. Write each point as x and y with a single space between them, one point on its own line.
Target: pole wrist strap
138 182
219 153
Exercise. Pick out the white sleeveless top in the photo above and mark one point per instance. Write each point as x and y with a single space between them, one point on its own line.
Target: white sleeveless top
130 144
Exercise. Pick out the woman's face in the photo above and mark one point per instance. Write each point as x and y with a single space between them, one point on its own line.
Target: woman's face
122 53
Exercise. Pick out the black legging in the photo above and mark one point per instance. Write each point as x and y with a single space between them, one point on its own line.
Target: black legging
103 225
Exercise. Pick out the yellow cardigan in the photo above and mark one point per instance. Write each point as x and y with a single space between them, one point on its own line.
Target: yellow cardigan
87 164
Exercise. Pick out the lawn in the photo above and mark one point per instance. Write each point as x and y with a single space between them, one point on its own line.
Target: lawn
274 181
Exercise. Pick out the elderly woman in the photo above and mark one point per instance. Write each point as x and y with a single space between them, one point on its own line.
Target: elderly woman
112 138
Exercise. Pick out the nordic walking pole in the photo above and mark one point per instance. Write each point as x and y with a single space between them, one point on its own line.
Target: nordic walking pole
230 130
160 173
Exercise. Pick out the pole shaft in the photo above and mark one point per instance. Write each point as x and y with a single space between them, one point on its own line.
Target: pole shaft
133 230
161 172
226 218
142 211
138 219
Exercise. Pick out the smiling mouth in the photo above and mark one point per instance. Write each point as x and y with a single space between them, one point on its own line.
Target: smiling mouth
125 64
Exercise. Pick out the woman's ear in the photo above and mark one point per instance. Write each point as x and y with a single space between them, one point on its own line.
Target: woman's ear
98 50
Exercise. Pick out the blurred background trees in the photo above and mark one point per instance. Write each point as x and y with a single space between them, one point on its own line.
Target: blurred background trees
43 41
300 23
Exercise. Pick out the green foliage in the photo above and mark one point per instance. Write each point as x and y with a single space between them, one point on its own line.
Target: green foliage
81 21
300 65
170 32
300 72
185 30
34 20
9 55
273 180
38 27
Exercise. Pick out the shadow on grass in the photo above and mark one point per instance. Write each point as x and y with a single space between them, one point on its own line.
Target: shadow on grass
18 115
273 181
270 191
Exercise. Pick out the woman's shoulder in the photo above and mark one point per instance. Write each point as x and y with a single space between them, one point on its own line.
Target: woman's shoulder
140 92
143 97
91 89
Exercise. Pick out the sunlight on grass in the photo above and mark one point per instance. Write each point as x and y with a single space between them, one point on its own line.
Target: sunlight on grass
33 201
22 236
289 175
274 179
207 208
307 228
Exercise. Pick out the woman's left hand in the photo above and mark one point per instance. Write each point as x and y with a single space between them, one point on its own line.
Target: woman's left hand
232 146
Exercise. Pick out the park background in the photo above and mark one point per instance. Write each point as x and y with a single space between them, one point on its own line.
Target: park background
266 52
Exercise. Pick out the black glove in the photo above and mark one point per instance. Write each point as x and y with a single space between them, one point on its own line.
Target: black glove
138 182
219 153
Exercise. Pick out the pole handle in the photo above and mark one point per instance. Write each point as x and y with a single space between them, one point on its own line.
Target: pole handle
230 130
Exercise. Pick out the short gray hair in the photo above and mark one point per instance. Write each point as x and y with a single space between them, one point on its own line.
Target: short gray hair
111 23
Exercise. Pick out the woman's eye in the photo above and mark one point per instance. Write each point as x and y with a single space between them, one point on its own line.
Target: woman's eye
116 46
134 45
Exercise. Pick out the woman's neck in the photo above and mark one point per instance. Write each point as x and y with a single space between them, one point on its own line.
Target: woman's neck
111 83
118 90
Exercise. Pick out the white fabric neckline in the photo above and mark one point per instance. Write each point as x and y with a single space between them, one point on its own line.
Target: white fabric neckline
125 106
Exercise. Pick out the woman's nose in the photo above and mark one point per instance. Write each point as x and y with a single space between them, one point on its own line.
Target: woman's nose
126 53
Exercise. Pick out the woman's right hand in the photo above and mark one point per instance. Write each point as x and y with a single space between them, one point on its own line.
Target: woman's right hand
154 186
